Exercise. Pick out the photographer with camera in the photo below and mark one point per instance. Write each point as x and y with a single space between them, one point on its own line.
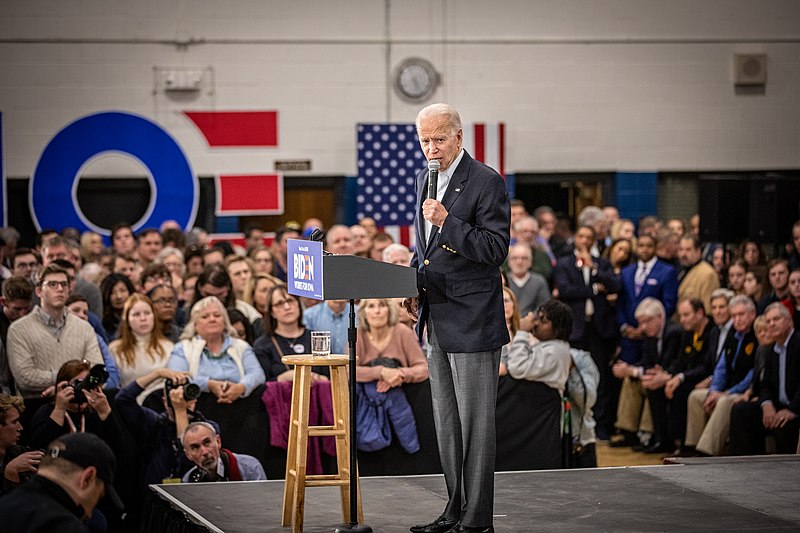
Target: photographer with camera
158 434
80 406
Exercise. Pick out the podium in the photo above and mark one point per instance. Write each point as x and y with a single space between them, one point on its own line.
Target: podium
323 276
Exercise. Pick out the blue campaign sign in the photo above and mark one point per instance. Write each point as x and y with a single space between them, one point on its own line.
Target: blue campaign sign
53 189
304 265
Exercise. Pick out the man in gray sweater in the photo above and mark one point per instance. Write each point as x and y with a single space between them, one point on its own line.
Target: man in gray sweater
48 337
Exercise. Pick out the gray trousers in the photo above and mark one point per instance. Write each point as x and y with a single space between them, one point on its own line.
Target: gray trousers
464 390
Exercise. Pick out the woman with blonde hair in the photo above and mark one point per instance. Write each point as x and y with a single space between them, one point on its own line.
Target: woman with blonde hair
141 346
388 351
218 361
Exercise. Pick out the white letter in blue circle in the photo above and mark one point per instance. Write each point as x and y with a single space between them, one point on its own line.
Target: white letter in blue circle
53 189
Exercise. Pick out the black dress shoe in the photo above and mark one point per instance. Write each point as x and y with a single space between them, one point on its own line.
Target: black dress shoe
440 525
626 441
464 529
658 447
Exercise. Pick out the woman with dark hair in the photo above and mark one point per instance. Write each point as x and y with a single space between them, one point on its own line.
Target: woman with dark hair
193 258
286 335
736 272
545 357
752 253
165 306
243 327
755 284
619 254
115 289
122 240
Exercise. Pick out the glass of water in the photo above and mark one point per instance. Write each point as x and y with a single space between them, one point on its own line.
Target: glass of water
320 343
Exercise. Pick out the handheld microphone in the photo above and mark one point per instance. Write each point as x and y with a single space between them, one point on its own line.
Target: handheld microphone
433 177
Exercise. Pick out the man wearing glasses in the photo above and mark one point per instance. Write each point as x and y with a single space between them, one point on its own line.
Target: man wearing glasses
40 342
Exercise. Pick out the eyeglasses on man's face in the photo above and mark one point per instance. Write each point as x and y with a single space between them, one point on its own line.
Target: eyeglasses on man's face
54 284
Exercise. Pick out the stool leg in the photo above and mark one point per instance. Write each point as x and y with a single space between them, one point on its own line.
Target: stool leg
302 449
341 417
291 451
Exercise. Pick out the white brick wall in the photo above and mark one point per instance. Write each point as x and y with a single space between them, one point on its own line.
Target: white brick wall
573 93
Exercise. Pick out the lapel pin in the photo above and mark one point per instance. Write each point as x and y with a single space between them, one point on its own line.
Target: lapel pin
458 190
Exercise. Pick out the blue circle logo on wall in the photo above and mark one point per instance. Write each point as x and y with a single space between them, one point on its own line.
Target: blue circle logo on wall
53 189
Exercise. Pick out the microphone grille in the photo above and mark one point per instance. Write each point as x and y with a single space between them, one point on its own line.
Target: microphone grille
433 164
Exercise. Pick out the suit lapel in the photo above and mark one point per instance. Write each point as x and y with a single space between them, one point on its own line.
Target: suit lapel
457 184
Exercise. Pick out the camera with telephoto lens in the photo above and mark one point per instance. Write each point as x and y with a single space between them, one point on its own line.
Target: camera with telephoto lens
191 391
97 377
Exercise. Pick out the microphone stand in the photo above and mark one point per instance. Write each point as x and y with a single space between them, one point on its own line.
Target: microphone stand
351 340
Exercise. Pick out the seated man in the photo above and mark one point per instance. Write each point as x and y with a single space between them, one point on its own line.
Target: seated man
709 410
668 388
203 446
660 345
777 409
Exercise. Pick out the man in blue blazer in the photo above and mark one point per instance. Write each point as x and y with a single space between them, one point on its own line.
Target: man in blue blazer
649 277
462 239
584 282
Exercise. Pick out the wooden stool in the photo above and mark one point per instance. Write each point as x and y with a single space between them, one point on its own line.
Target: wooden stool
296 479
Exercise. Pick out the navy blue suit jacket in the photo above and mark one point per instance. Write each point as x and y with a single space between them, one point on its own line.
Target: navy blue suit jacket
661 284
458 268
573 291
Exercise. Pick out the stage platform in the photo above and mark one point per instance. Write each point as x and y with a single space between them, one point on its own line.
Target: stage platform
714 494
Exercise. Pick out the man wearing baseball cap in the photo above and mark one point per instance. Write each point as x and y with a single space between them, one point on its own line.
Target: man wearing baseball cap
75 473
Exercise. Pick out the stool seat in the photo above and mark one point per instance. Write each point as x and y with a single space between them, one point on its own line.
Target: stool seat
299 431
306 359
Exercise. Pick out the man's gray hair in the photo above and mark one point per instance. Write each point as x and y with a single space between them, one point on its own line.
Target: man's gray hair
518 223
396 247
194 426
650 307
722 293
782 309
435 110
743 300
590 215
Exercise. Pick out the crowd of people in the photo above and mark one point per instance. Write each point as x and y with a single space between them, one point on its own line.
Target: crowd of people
661 342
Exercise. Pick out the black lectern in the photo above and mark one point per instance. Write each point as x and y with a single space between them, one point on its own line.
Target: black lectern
348 277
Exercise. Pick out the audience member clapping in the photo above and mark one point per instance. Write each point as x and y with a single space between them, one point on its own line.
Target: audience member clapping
116 289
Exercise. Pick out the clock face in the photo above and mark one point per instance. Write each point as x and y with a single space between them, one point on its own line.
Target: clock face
415 79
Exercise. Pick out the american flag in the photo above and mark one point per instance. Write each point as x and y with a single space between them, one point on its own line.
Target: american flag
389 159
